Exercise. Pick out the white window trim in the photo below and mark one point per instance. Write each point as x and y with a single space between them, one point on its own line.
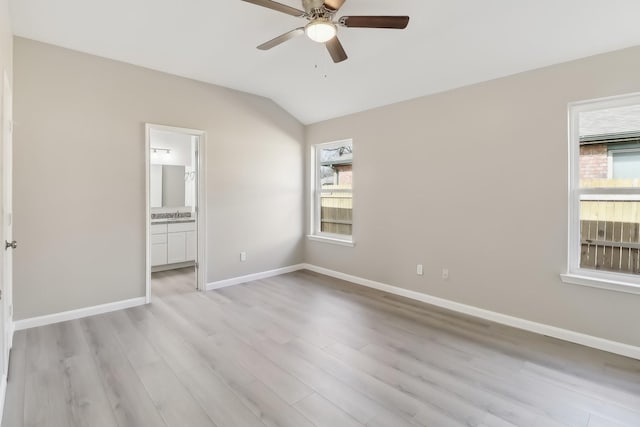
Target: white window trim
324 238
314 233
580 276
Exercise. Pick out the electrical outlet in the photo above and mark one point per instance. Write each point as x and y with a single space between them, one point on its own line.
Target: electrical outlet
243 256
445 274
419 270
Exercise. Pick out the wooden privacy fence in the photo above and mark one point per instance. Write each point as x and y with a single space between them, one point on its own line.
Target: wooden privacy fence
610 228
610 234
336 209
610 245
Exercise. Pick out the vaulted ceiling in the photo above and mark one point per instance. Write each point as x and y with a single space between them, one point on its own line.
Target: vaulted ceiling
448 44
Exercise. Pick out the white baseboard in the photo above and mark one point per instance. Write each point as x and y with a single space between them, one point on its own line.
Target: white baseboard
48 319
255 276
516 322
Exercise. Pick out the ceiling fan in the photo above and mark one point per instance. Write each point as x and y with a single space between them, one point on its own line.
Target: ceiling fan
322 28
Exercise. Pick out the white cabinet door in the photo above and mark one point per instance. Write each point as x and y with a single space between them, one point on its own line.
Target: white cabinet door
177 247
158 254
192 242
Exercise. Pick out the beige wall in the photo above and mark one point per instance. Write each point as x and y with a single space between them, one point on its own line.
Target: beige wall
79 176
475 179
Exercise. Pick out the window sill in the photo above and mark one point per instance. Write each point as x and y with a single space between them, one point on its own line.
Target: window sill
331 240
611 283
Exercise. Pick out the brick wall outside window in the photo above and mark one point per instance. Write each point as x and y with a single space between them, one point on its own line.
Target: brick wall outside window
593 161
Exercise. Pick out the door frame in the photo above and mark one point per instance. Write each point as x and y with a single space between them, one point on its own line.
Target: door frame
201 206
6 277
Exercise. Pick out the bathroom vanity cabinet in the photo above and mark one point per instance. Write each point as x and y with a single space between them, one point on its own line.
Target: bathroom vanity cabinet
173 242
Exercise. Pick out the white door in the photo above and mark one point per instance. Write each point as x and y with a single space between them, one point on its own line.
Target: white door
7 223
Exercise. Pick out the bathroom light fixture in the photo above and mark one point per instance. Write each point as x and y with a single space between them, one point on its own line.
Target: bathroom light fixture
321 30
166 150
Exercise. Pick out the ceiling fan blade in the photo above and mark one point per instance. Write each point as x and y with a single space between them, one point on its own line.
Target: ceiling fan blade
277 6
281 39
393 22
333 5
336 50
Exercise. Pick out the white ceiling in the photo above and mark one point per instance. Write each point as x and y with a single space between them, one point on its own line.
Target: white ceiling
448 44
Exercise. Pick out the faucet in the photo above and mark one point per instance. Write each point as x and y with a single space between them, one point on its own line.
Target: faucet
177 214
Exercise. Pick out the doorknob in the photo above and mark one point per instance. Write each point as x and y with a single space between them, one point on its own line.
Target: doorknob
11 245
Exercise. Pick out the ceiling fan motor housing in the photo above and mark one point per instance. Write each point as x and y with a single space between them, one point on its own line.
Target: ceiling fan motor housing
311 5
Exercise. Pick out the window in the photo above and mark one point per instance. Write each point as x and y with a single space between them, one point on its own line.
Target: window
604 206
333 192
624 163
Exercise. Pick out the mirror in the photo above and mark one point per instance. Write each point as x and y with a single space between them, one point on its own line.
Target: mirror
173 186
168 186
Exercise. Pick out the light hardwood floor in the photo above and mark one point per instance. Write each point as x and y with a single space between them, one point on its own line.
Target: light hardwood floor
301 350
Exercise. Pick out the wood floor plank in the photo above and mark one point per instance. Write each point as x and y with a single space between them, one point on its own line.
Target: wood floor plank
89 403
450 404
226 367
354 403
471 387
175 404
323 414
131 403
136 348
218 399
285 385
273 411
385 394
46 394
14 402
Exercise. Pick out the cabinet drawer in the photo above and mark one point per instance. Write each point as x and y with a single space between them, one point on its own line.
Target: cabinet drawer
184 226
158 238
158 228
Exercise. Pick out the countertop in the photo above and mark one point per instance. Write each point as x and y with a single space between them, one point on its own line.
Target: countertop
171 220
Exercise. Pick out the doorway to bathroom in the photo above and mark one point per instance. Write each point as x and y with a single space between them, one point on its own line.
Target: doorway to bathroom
175 214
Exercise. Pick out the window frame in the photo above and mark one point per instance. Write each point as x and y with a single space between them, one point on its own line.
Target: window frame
315 230
616 281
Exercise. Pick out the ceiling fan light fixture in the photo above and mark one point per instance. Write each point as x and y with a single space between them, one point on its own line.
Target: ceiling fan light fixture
321 30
